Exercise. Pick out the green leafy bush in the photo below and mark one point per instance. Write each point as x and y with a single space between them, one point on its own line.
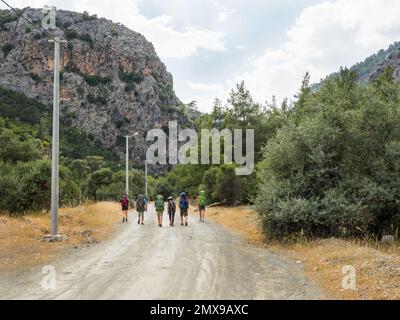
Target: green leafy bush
26 187
19 107
131 77
333 171
95 80
7 48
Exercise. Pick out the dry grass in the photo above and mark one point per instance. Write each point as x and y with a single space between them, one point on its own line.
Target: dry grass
21 244
377 267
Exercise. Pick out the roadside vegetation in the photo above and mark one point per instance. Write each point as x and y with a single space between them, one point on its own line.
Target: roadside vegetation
21 237
328 165
87 171
376 264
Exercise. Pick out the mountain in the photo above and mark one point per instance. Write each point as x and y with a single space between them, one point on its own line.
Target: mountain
374 65
112 82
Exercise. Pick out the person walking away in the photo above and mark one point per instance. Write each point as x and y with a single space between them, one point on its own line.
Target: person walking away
141 207
202 205
125 207
184 208
159 204
171 210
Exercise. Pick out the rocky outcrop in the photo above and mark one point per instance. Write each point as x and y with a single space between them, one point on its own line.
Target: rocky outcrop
392 61
112 81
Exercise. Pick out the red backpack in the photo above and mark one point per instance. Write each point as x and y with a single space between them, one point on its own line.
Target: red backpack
125 201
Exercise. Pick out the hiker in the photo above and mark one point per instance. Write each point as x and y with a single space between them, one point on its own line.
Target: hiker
184 208
171 210
159 204
202 205
125 207
141 207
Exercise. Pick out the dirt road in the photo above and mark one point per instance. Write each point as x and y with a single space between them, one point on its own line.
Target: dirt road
201 261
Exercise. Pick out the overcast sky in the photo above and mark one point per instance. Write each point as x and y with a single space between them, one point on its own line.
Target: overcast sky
210 45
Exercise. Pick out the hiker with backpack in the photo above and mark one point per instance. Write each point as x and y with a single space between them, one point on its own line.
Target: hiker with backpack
141 207
184 208
125 207
159 204
202 205
171 210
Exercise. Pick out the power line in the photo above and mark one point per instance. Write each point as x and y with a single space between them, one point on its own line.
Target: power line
19 14
41 29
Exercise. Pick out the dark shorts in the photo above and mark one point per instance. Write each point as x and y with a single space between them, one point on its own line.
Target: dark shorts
202 207
125 208
184 212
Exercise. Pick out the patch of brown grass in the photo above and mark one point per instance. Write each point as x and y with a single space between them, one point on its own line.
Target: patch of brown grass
377 266
21 244
240 220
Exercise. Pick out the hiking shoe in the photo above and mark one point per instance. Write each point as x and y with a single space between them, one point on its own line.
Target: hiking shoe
186 224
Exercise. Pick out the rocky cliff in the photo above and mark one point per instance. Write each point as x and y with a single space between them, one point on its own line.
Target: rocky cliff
112 81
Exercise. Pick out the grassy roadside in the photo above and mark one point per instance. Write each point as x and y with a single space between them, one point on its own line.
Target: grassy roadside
377 267
21 244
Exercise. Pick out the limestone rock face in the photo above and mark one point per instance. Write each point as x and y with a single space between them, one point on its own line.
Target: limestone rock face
393 61
112 82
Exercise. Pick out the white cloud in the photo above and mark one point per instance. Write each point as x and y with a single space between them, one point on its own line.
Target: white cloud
159 30
205 87
324 37
223 12
241 47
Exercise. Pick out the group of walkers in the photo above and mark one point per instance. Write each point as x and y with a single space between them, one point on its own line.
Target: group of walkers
159 204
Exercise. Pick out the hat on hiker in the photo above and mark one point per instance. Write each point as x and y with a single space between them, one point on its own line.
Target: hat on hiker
170 198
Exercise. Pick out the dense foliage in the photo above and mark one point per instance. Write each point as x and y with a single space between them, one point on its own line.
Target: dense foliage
87 170
333 169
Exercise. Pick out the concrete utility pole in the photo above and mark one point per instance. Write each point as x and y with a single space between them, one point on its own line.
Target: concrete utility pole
127 163
145 181
127 166
55 149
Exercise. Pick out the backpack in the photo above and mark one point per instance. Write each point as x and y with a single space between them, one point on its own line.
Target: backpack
125 201
171 206
183 202
202 199
140 205
159 203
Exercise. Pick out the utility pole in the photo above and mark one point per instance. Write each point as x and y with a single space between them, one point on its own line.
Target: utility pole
127 163
127 166
55 148
145 181
56 139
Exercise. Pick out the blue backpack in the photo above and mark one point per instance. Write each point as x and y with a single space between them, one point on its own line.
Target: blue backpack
183 202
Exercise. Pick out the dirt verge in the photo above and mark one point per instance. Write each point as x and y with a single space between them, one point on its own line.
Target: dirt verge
377 267
21 244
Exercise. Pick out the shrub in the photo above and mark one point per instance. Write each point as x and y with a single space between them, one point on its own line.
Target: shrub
97 99
87 17
17 106
71 34
228 185
14 148
7 48
26 187
336 171
131 77
95 80
36 77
